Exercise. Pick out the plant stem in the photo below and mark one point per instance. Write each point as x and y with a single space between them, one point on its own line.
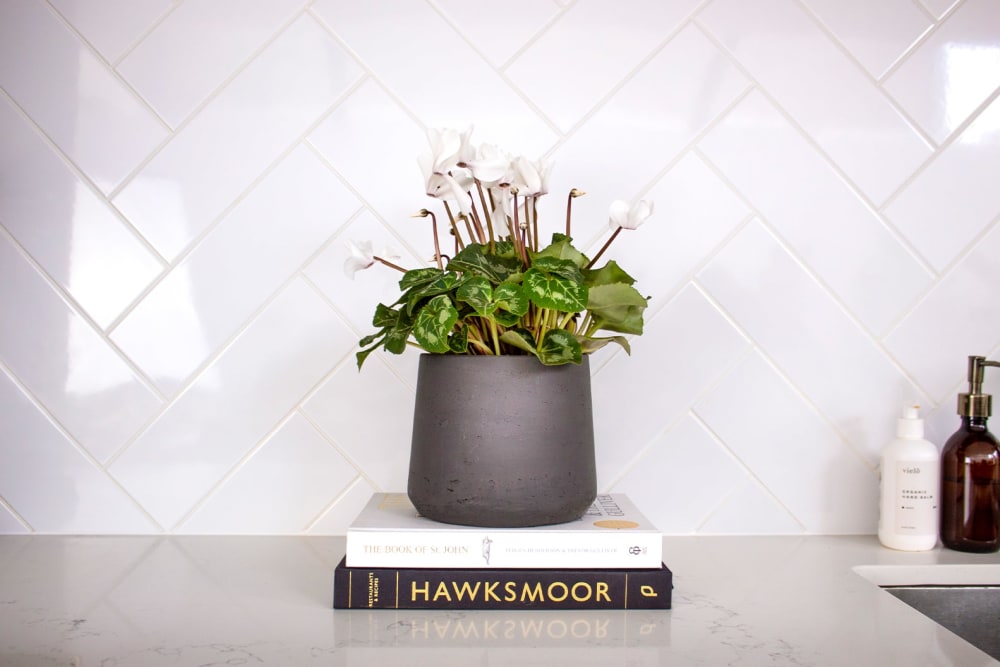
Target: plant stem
459 242
604 247
389 264
534 216
488 212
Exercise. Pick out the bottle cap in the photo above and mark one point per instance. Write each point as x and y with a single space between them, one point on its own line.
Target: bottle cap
910 425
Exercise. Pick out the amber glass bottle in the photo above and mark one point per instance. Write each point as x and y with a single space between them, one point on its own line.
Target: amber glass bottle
970 488
970 473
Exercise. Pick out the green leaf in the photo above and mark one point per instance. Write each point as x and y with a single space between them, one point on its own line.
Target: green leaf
608 274
397 335
562 248
458 342
384 316
511 298
558 267
417 277
434 322
505 319
371 338
559 347
520 339
476 260
554 292
478 293
363 354
617 307
442 284
590 345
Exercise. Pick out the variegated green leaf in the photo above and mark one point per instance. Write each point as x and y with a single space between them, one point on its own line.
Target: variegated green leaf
511 298
559 347
478 293
474 260
434 323
558 267
458 342
554 292
384 316
417 277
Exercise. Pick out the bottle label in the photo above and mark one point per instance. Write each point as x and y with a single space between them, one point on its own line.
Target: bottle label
916 485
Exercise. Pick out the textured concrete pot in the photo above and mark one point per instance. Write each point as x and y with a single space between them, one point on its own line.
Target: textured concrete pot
502 441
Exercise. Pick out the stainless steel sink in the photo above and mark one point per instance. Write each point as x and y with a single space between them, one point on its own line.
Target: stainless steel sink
971 612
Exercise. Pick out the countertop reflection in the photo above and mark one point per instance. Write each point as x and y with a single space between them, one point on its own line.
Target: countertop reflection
151 601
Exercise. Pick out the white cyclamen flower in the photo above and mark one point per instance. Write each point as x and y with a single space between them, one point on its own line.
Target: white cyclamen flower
362 257
629 217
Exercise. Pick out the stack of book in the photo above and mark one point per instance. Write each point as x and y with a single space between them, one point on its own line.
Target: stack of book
611 558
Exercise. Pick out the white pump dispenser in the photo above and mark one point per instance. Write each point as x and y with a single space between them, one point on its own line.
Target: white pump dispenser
909 485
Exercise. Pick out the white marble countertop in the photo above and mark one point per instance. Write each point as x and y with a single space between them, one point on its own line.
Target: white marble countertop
152 601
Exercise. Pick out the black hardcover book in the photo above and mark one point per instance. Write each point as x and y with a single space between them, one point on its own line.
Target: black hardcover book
430 588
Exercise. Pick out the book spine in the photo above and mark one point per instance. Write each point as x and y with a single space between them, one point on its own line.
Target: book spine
462 549
414 588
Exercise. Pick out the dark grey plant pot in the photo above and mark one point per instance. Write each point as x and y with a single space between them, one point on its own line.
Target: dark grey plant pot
502 441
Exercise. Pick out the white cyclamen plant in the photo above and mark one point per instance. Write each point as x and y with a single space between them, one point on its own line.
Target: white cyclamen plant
502 292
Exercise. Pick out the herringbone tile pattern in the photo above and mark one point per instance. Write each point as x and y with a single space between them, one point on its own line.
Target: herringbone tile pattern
179 178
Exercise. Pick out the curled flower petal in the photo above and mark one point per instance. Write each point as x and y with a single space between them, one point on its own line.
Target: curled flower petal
629 217
362 257
491 165
526 177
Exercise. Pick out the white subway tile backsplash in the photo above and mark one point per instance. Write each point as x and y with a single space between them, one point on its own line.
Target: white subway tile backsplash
630 387
179 182
369 416
438 69
826 93
810 339
387 179
65 363
500 33
765 424
876 33
68 91
625 145
953 72
826 224
939 335
210 295
750 498
946 206
53 486
231 406
662 484
302 474
571 67
195 49
208 164
73 233
113 26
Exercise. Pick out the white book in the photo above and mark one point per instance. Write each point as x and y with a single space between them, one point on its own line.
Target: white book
612 534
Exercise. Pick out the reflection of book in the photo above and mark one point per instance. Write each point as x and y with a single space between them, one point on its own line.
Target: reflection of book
492 588
612 534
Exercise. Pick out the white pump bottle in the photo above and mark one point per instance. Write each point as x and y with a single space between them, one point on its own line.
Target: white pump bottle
909 485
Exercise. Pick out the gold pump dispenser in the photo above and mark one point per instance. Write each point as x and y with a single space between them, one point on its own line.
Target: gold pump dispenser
976 403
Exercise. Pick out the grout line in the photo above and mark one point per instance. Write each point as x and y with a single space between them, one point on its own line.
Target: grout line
5 504
332 504
74 443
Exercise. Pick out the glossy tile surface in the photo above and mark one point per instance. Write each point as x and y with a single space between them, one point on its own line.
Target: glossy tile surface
81 105
180 182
